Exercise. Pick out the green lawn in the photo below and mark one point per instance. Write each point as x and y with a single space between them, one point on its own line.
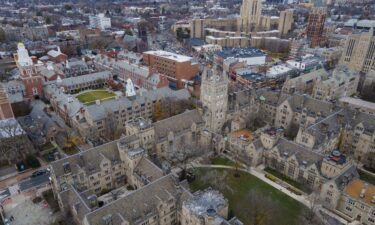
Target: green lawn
288 180
91 96
235 189
221 161
366 177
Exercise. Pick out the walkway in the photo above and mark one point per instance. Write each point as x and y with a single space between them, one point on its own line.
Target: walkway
304 199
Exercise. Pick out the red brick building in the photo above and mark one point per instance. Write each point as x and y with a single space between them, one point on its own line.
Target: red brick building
175 67
315 26
31 79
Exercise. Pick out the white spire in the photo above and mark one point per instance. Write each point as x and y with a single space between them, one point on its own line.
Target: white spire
67 64
23 56
130 91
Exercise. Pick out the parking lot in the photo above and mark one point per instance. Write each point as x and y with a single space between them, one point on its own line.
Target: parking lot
25 212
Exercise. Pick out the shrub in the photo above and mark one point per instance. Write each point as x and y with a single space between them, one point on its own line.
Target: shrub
32 161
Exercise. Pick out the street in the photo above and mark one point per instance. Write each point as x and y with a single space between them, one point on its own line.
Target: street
24 185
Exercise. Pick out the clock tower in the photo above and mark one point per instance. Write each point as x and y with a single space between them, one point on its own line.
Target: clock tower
214 98
32 81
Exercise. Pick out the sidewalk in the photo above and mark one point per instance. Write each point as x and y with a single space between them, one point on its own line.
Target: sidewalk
21 176
259 174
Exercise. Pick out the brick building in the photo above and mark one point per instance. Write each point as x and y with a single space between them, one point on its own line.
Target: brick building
31 79
176 67
315 26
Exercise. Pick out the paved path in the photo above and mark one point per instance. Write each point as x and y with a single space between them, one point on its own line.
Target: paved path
304 199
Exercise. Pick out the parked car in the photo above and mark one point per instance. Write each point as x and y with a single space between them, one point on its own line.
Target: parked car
39 172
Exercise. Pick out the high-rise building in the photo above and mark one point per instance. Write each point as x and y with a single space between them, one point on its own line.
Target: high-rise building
249 15
100 21
359 51
214 98
6 111
31 79
197 28
315 26
286 21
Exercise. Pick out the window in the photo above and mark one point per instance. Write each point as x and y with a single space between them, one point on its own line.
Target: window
349 209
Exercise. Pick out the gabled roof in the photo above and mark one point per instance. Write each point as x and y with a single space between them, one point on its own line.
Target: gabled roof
177 124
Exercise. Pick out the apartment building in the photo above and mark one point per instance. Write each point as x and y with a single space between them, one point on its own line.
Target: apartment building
315 26
286 22
100 21
268 22
177 68
342 83
250 14
229 42
359 51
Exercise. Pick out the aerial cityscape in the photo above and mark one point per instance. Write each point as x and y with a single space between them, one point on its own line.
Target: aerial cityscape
178 112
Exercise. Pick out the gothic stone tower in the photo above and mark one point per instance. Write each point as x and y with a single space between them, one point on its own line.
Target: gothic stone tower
32 81
214 98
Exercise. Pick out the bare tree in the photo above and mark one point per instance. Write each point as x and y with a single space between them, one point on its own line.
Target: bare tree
309 216
14 141
260 209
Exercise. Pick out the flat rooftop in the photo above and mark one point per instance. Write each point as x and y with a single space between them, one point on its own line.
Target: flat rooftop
240 52
169 55
244 134
358 187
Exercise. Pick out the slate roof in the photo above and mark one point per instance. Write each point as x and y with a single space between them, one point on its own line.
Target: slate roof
99 112
138 205
304 156
177 124
331 125
88 160
273 98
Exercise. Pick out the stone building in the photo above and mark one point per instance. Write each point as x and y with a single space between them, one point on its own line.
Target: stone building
296 162
180 132
214 97
358 51
343 82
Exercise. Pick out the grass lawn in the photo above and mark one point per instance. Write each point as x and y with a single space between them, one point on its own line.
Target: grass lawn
366 177
235 189
288 180
91 96
221 161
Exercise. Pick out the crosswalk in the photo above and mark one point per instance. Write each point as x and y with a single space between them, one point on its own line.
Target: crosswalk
14 189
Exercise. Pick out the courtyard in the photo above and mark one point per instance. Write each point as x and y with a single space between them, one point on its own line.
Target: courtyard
91 96
25 212
240 190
